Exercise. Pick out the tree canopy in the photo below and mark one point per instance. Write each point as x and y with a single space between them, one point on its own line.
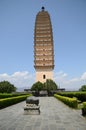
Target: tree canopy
83 88
38 86
7 87
48 85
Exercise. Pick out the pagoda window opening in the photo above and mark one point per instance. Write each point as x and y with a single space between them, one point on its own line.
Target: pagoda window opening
44 76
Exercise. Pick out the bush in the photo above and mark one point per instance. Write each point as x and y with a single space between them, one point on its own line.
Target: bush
84 105
13 100
72 102
79 95
84 109
6 95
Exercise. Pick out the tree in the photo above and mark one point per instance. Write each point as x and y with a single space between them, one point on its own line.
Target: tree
38 86
7 87
50 85
83 88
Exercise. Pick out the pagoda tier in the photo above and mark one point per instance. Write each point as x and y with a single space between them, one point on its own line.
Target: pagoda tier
43 42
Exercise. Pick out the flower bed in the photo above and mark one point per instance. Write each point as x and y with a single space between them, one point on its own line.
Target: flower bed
72 102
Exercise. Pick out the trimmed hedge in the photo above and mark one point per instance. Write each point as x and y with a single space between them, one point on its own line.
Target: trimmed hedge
13 100
84 105
79 95
8 95
84 109
72 102
5 95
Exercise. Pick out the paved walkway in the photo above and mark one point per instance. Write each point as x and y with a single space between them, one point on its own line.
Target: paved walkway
54 116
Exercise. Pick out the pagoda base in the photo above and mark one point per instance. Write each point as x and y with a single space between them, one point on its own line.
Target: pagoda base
43 75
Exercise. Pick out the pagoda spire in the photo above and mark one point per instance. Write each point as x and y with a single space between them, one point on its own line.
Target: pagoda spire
43 8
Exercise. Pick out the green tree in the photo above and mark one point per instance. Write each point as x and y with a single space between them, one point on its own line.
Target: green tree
50 85
7 87
83 88
38 86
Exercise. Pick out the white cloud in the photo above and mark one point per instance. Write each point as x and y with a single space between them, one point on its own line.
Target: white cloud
83 77
75 83
19 79
20 74
25 80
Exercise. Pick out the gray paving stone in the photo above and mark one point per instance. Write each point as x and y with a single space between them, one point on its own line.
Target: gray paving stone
53 127
3 128
61 129
54 116
12 128
45 127
28 128
36 128
37 124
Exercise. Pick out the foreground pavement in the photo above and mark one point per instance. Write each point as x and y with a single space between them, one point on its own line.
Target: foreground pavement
54 116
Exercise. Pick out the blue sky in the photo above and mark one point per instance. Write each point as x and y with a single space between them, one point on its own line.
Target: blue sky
17 20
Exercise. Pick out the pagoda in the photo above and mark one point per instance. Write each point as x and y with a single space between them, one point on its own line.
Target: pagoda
43 47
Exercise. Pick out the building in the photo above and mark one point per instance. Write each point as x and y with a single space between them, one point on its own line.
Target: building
43 47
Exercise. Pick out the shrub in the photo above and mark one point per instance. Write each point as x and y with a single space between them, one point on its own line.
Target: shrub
72 102
79 95
84 109
84 105
13 100
7 95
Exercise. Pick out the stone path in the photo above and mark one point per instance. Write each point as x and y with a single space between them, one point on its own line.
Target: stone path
54 116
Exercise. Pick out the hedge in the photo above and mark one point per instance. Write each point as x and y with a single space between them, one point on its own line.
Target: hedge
84 109
8 95
72 102
84 105
13 100
79 95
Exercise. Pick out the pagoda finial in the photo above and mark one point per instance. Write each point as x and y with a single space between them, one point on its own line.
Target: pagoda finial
43 8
